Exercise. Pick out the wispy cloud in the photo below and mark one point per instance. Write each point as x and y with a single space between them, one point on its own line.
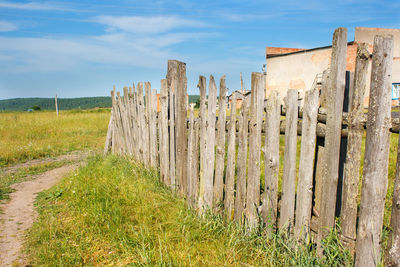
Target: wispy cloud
32 6
147 24
7 26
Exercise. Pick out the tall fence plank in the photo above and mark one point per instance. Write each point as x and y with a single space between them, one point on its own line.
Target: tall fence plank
240 199
220 145
172 148
190 154
289 166
176 78
353 157
195 166
253 179
164 139
230 164
335 94
203 132
271 160
306 167
147 115
108 144
375 172
153 128
142 123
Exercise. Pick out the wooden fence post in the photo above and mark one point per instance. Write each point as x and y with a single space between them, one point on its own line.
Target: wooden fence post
164 141
253 179
353 157
335 93
393 252
289 166
190 155
271 160
220 146
306 167
195 166
375 172
203 131
142 123
240 199
176 78
152 129
108 144
172 148
230 164
147 114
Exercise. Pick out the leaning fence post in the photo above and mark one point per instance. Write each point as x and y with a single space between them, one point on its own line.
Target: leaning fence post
289 167
306 167
108 145
220 145
253 180
353 157
375 172
230 164
335 94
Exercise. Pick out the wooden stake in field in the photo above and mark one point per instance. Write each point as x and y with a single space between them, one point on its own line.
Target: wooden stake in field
335 94
253 180
220 146
176 78
375 172
108 144
230 165
271 160
289 167
352 164
306 167
241 185
164 141
203 131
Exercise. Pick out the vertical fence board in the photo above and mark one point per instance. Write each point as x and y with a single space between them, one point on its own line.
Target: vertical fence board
220 145
190 155
147 116
153 128
306 167
203 131
289 166
240 199
230 164
375 172
271 160
353 158
164 140
335 94
108 144
195 166
172 148
253 180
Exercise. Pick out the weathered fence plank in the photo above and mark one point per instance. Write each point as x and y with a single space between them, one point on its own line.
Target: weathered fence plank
289 166
230 164
240 199
164 139
375 172
153 128
195 166
108 144
306 166
353 158
253 179
203 132
220 145
172 148
335 93
147 115
190 154
271 161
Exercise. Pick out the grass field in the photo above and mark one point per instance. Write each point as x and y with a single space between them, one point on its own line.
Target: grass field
25 136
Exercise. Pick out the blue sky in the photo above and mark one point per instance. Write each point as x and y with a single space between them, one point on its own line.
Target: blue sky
83 48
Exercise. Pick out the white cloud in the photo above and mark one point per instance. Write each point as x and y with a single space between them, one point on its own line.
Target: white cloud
31 6
149 24
7 26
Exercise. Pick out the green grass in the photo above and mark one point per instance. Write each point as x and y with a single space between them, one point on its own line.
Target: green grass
25 136
114 212
24 174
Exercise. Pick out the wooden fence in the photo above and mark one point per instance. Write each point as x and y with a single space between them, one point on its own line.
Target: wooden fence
216 162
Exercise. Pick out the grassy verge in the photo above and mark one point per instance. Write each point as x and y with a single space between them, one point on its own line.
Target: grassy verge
24 174
115 213
25 136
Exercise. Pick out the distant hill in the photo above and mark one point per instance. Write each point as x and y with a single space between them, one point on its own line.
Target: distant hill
23 104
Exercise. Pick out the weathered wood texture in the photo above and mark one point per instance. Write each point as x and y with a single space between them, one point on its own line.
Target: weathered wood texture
172 148
375 172
153 128
176 78
253 179
230 164
220 145
289 166
241 185
164 139
335 93
190 154
194 192
108 144
271 161
147 87
352 164
306 166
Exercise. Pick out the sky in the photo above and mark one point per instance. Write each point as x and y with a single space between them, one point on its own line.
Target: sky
83 48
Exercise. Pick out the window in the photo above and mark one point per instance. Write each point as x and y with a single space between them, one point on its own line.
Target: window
395 91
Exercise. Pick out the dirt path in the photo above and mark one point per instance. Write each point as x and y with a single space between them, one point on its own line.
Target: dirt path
19 214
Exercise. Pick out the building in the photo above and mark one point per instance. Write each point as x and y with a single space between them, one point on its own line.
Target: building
297 68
